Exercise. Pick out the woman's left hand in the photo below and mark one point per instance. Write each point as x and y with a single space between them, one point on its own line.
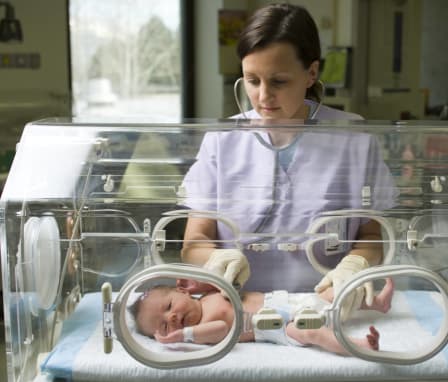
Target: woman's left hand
231 264
344 271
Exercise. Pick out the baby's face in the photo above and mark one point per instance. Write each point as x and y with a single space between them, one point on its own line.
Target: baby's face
165 310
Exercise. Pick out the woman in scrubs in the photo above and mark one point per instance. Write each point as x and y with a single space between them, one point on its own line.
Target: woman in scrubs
274 182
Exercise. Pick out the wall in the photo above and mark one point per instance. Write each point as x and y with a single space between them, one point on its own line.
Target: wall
214 92
44 28
434 55
394 94
28 94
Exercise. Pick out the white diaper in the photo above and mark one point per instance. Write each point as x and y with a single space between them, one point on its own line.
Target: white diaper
287 305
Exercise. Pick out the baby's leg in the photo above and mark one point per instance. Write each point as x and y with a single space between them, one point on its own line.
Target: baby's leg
325 338
382 301
327 294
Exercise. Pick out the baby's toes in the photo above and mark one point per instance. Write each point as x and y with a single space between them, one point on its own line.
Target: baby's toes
374 332
373 342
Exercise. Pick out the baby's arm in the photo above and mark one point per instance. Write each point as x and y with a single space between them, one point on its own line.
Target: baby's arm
207 333
193 286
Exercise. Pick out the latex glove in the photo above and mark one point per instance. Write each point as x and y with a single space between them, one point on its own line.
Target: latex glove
343 272
230 264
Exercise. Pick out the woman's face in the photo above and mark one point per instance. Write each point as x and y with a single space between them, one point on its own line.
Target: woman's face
276 81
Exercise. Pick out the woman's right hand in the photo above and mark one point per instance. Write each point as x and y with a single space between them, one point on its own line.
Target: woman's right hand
231 264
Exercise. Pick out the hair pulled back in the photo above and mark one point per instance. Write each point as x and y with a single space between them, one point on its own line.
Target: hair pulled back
284 23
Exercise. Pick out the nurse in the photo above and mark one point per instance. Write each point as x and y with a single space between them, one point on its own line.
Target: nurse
276 181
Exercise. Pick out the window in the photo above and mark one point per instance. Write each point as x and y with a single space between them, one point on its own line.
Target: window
126 58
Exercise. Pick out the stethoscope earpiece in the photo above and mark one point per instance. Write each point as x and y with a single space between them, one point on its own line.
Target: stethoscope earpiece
235 94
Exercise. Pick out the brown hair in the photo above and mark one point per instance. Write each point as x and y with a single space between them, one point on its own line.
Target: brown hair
283 23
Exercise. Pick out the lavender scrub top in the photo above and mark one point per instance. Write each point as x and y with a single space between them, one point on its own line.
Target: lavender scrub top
241 178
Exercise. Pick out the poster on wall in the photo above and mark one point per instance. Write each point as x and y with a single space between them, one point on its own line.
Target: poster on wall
230 22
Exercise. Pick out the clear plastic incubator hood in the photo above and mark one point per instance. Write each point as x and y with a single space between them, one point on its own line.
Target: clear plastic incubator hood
100 234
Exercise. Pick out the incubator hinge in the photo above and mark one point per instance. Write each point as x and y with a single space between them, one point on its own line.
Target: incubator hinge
147 229
288 247
106 290
107 321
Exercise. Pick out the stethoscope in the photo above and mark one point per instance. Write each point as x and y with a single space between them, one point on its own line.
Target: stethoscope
240 108
268 145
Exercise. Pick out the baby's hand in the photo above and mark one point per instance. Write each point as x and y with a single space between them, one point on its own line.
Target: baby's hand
175 336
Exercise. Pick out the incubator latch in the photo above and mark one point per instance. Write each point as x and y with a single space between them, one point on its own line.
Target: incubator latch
411 238
309 319
181 192
259 247
159 239
288 247
267 319
366 196
147 226
99 148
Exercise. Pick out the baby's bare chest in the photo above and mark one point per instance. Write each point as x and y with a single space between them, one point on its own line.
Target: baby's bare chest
215 307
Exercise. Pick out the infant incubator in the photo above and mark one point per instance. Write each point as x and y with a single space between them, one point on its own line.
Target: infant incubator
93 214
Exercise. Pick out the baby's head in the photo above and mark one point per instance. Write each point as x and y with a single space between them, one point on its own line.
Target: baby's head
164 309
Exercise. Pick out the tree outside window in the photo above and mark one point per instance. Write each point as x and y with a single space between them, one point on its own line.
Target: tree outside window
126 57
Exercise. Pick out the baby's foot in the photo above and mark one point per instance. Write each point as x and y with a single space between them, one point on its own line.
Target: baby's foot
382 302
371 341
373 338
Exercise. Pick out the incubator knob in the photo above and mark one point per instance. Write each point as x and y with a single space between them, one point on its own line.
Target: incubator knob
108 184
436 186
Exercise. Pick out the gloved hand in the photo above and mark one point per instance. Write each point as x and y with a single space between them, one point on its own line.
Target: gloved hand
231 264
347 267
